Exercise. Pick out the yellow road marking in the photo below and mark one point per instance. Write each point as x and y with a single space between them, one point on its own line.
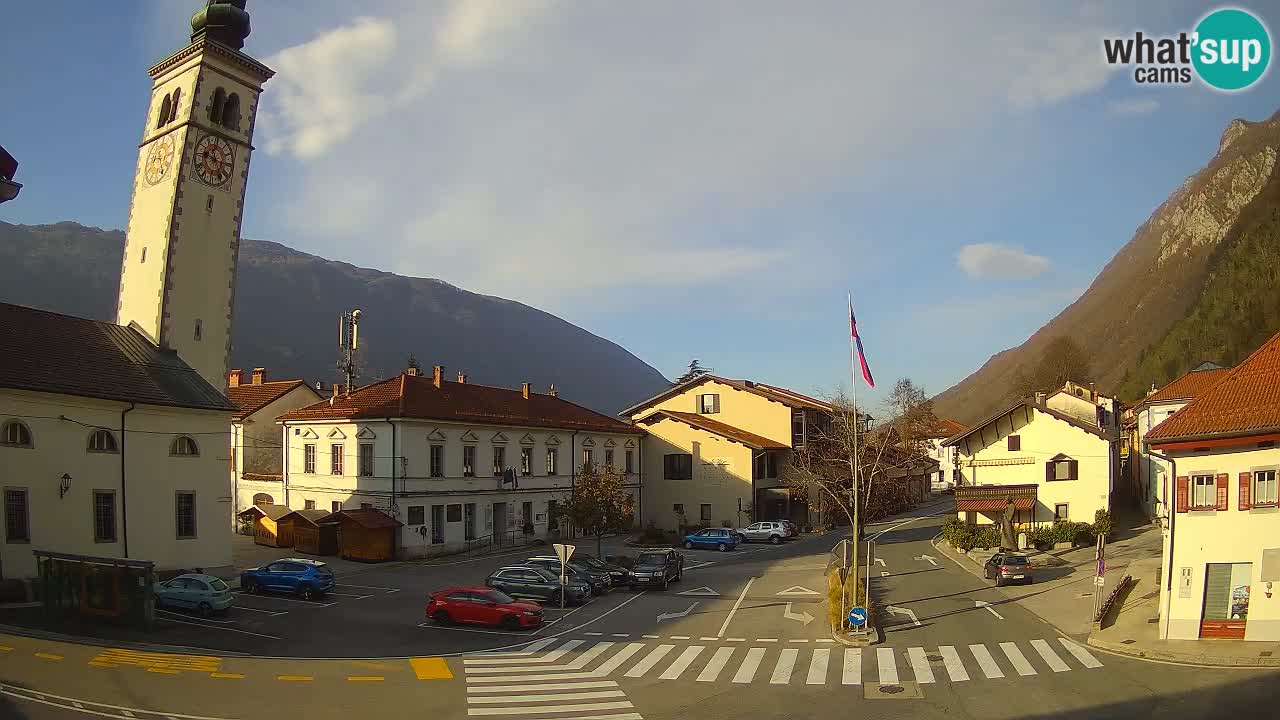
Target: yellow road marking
121 656
5 648
229 676
48 656
364 678
295 678
95 663
430 668
165 671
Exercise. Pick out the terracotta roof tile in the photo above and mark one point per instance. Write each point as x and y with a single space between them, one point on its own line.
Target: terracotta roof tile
48 352
751 440
409 396
1188 387
1245 401
946 427
252 398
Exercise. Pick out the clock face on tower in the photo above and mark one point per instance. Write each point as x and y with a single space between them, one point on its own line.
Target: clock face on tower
158 159
214 160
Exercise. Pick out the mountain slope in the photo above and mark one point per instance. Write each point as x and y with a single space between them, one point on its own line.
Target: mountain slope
287 308
1192 284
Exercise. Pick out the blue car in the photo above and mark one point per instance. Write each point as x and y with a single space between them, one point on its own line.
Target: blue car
722 539
203 593
308 579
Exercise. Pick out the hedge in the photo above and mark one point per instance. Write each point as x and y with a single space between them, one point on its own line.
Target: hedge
963 536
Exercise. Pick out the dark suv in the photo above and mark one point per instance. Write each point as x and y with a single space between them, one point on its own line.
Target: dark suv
657 567
534 582
597 580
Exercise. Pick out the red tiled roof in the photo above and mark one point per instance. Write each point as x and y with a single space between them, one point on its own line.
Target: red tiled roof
773 392
252 398
47 352
1031 403
410 396
751 440
1246 401
946 427
366 518
1188 387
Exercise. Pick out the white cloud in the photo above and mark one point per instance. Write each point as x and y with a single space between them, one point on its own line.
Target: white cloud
990 260
1064 65
1134 106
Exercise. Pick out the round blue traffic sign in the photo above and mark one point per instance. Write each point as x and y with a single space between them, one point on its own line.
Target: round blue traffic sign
858 617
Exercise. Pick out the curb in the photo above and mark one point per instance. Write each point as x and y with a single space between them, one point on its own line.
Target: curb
852 642
1182 658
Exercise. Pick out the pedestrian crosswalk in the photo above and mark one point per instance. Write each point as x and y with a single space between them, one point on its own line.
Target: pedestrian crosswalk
562 671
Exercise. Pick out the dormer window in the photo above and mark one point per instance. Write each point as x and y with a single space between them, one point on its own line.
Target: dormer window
709 403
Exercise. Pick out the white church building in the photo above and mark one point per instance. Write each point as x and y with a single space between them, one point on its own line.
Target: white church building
114 436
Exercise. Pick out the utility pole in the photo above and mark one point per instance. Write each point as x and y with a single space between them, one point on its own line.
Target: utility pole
348 342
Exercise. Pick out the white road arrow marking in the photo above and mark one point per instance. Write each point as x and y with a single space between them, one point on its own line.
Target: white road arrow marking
672 616
798 590
884 573
880 562
903 611
932 560
987 606
703 591
803 617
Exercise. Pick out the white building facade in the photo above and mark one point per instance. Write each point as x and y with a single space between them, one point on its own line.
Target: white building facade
1154 474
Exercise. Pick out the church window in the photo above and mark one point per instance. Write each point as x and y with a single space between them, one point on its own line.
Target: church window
215 108
185 446
173 109
102 441
16 434
199 333
163 117
231 112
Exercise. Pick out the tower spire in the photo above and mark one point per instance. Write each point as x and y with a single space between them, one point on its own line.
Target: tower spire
223 21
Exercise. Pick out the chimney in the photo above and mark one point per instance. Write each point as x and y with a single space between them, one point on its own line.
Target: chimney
234 377
553 392
411 371
524 390
437 375
259 376
462 378
337 389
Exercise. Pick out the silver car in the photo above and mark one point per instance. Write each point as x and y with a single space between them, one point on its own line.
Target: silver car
773 532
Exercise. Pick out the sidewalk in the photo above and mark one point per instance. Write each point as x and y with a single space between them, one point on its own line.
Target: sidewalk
1135 631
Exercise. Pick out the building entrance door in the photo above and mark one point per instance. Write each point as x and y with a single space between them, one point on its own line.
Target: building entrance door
499 523
1226 600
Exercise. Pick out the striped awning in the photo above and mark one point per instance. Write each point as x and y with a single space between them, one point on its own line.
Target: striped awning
994 498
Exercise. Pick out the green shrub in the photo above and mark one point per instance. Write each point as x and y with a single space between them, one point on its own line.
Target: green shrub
987 537
854 592
1102 522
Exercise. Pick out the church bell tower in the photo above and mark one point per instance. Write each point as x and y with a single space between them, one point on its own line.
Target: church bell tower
177 284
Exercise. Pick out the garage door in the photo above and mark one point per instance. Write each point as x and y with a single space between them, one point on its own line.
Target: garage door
1226 600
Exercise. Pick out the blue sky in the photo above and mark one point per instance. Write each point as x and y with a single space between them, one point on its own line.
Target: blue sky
687 179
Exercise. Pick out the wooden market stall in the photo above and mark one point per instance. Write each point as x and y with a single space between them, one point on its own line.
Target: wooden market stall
266 524
303 528
367 535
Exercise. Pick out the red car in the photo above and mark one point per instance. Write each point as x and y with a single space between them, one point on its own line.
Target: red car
482 606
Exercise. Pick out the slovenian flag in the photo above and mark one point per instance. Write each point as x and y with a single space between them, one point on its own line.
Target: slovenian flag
856 342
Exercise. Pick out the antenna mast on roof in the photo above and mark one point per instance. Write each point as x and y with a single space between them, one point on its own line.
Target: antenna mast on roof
348 343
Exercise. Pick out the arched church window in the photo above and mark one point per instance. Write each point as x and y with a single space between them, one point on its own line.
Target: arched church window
215 108
163 117
173 109
231 112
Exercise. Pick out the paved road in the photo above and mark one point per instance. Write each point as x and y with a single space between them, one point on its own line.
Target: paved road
730 641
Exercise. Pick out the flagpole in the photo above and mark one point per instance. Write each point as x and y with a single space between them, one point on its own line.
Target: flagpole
855 463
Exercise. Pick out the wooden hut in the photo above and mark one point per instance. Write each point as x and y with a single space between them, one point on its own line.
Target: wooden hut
367 535
266 524
307 534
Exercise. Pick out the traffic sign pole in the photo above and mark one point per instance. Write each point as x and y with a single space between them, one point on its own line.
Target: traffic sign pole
564 552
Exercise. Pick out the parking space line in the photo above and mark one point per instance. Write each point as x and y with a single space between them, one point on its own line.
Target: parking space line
260 610
277 598
369 587
219 627
433 626
180 615
349 595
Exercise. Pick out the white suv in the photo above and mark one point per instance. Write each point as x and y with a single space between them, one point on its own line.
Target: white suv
774 532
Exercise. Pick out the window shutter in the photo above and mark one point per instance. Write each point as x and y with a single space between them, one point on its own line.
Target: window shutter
1048 471
1222 479
1245 480
715 402
1074 469
1184 483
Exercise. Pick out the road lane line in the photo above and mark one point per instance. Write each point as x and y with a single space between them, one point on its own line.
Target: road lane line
766 639
782 670
585 658
227 676
716 664
747 670
1085 658
736 605
1050 657
986 662
542 686
735 639
1018 660
295 678
920 665
682 663
887 664
218 627
951 659
593 634
618 658
708 638
650 637
818 667
48 656
649 661
475 680
580 707
365 678
852 674
681 637
553 697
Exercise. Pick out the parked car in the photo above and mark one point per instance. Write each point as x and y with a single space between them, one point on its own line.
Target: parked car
1008 567
618 575
721 539
792 529
307 579
598 581
526 581
482 606
203 593
657 567
772 531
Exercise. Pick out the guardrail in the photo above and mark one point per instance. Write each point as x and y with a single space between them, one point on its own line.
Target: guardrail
1113 602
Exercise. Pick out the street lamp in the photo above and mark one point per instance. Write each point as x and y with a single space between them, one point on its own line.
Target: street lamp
65 486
